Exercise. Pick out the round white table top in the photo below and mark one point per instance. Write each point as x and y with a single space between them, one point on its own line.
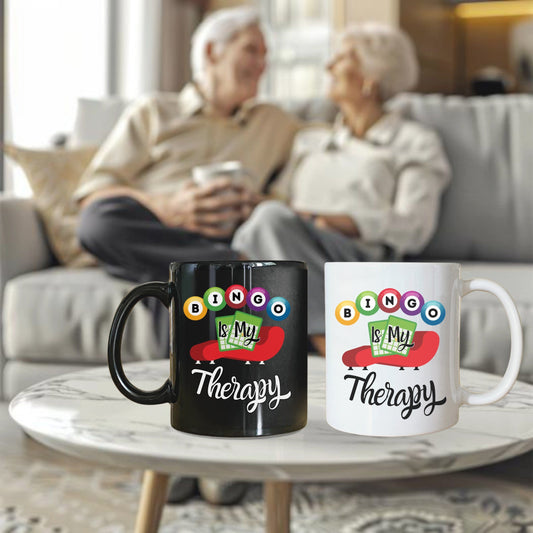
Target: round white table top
83 414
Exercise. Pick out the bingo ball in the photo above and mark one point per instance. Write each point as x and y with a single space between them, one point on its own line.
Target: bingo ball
236 296
194 308
278 308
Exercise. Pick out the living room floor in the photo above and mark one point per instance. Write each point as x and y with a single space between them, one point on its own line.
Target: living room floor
45 491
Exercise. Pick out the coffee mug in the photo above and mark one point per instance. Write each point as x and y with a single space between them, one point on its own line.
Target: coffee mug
392 347
204 174
238 347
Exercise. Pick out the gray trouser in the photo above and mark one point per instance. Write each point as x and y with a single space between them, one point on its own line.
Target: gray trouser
131 243
276 232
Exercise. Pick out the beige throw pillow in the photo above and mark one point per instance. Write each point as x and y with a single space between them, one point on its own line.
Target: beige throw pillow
53 176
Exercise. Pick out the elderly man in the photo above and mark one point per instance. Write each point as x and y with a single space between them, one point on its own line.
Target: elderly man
141 210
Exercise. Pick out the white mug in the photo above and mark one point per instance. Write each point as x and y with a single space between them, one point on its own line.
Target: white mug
204 174
392 347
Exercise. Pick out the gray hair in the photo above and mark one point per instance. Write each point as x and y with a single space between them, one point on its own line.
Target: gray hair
218 28
387 54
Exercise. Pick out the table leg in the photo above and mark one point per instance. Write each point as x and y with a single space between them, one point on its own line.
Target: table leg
277 496
153 498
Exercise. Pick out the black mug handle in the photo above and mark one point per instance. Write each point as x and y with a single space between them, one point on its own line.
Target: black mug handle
164 293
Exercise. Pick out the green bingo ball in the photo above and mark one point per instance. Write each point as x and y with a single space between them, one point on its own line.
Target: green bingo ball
214 299
367 303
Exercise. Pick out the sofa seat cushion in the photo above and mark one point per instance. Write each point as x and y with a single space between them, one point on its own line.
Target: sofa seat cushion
485 340
64 315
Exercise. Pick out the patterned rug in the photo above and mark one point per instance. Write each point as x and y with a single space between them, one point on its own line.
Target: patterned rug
45 498
42 491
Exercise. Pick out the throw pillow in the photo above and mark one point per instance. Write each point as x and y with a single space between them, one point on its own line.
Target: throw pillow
53 176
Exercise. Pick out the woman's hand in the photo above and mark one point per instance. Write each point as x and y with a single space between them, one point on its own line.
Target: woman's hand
340 223
250 199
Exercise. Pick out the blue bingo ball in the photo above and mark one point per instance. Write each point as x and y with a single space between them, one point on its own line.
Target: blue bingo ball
278 308
433 313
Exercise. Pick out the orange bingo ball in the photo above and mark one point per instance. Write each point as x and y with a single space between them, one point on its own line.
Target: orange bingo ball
194 308
346 313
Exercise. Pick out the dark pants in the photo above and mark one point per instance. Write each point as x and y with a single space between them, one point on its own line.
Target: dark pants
131 243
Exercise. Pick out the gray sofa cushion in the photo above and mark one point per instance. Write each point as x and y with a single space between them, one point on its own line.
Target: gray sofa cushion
487 212
64 315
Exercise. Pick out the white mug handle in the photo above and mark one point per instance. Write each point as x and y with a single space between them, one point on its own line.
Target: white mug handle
511 373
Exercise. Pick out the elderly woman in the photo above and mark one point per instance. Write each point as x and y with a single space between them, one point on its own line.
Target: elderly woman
367 189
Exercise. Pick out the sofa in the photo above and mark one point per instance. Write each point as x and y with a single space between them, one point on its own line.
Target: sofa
56 319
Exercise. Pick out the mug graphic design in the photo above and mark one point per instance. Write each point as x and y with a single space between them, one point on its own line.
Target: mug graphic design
239 335
393 341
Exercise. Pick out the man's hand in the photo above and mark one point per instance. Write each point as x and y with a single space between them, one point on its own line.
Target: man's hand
213 210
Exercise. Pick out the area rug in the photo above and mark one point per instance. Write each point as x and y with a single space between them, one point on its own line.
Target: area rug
326 508
42 497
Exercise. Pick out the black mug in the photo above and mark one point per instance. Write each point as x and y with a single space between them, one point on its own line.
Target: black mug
238 347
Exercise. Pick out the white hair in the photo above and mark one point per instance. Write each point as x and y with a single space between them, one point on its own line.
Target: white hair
218 28
387 54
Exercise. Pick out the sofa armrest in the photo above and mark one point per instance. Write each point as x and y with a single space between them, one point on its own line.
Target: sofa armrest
23 248
23 242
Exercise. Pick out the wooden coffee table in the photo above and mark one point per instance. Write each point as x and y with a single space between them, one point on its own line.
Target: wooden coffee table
83 414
